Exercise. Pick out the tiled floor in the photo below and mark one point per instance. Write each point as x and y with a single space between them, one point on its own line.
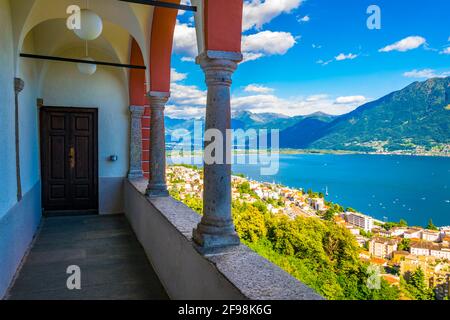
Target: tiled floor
112 262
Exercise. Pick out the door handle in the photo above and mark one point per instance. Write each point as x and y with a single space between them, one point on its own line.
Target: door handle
72 157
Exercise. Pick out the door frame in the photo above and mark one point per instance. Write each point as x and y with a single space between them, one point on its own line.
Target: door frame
94 111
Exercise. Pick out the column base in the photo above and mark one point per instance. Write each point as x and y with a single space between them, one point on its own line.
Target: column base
157 191
207 241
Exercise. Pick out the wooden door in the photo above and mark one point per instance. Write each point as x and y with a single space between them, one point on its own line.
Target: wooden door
69 160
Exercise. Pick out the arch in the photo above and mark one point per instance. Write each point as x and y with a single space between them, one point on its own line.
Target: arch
163 27
114 44
219 25
30 13
137 86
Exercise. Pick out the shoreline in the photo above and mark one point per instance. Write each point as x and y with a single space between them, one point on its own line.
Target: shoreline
239 175
320 152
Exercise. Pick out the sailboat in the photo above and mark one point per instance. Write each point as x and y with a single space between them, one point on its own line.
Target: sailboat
326 191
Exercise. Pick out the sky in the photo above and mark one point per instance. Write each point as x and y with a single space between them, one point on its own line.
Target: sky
304 56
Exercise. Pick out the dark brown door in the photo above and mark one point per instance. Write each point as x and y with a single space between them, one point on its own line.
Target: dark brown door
69 160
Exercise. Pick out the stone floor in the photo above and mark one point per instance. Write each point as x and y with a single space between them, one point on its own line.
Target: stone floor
112 262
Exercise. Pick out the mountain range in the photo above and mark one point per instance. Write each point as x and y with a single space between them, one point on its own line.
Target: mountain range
417 116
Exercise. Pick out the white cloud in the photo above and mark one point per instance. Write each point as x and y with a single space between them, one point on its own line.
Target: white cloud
188 101
176 76
254 46
324 63
445 51
409 43
257 88
187 95
184 112
295 105
185 40
343 56
259 12
351 100
251 56
425 74
304 19
339 57
187 59
316 97
267 43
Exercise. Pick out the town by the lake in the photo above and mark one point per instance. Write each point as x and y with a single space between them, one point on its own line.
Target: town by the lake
395 249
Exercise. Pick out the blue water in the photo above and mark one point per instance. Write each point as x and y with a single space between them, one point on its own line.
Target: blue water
383 186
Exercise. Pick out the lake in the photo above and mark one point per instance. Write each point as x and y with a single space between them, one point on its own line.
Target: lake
387 187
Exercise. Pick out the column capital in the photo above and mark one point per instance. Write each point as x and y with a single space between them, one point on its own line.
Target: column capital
137 111
219 66
158 100
19 84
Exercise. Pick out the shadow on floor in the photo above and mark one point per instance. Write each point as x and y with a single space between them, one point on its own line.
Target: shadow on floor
113 264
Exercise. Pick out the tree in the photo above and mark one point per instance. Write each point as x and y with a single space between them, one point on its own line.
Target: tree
249 222
431 225
404 245
261 206
320 253
329 214
416 286
403 223
244 188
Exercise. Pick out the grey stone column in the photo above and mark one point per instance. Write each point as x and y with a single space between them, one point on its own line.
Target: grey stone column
157 186
18 87
216 228
135 170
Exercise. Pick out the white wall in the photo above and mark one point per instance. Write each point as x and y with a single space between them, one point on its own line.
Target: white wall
63 85
18 221
7 143
28 120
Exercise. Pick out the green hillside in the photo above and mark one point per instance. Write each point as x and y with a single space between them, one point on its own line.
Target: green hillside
416 116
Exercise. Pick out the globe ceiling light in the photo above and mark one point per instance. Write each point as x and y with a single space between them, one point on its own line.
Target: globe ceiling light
91 25
87 68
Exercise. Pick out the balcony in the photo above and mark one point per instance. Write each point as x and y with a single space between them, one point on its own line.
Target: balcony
148 253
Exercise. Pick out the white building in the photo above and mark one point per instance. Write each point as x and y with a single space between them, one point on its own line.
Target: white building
419 250
431 235
353 230
359 220
317 204
443 253
382 247
413 233
430 249
398 231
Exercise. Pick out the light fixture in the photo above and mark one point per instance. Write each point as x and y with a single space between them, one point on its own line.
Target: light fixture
87 68
91 24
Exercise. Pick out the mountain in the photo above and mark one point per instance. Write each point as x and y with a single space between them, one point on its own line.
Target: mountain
301 134
249 120
246 120
416 116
